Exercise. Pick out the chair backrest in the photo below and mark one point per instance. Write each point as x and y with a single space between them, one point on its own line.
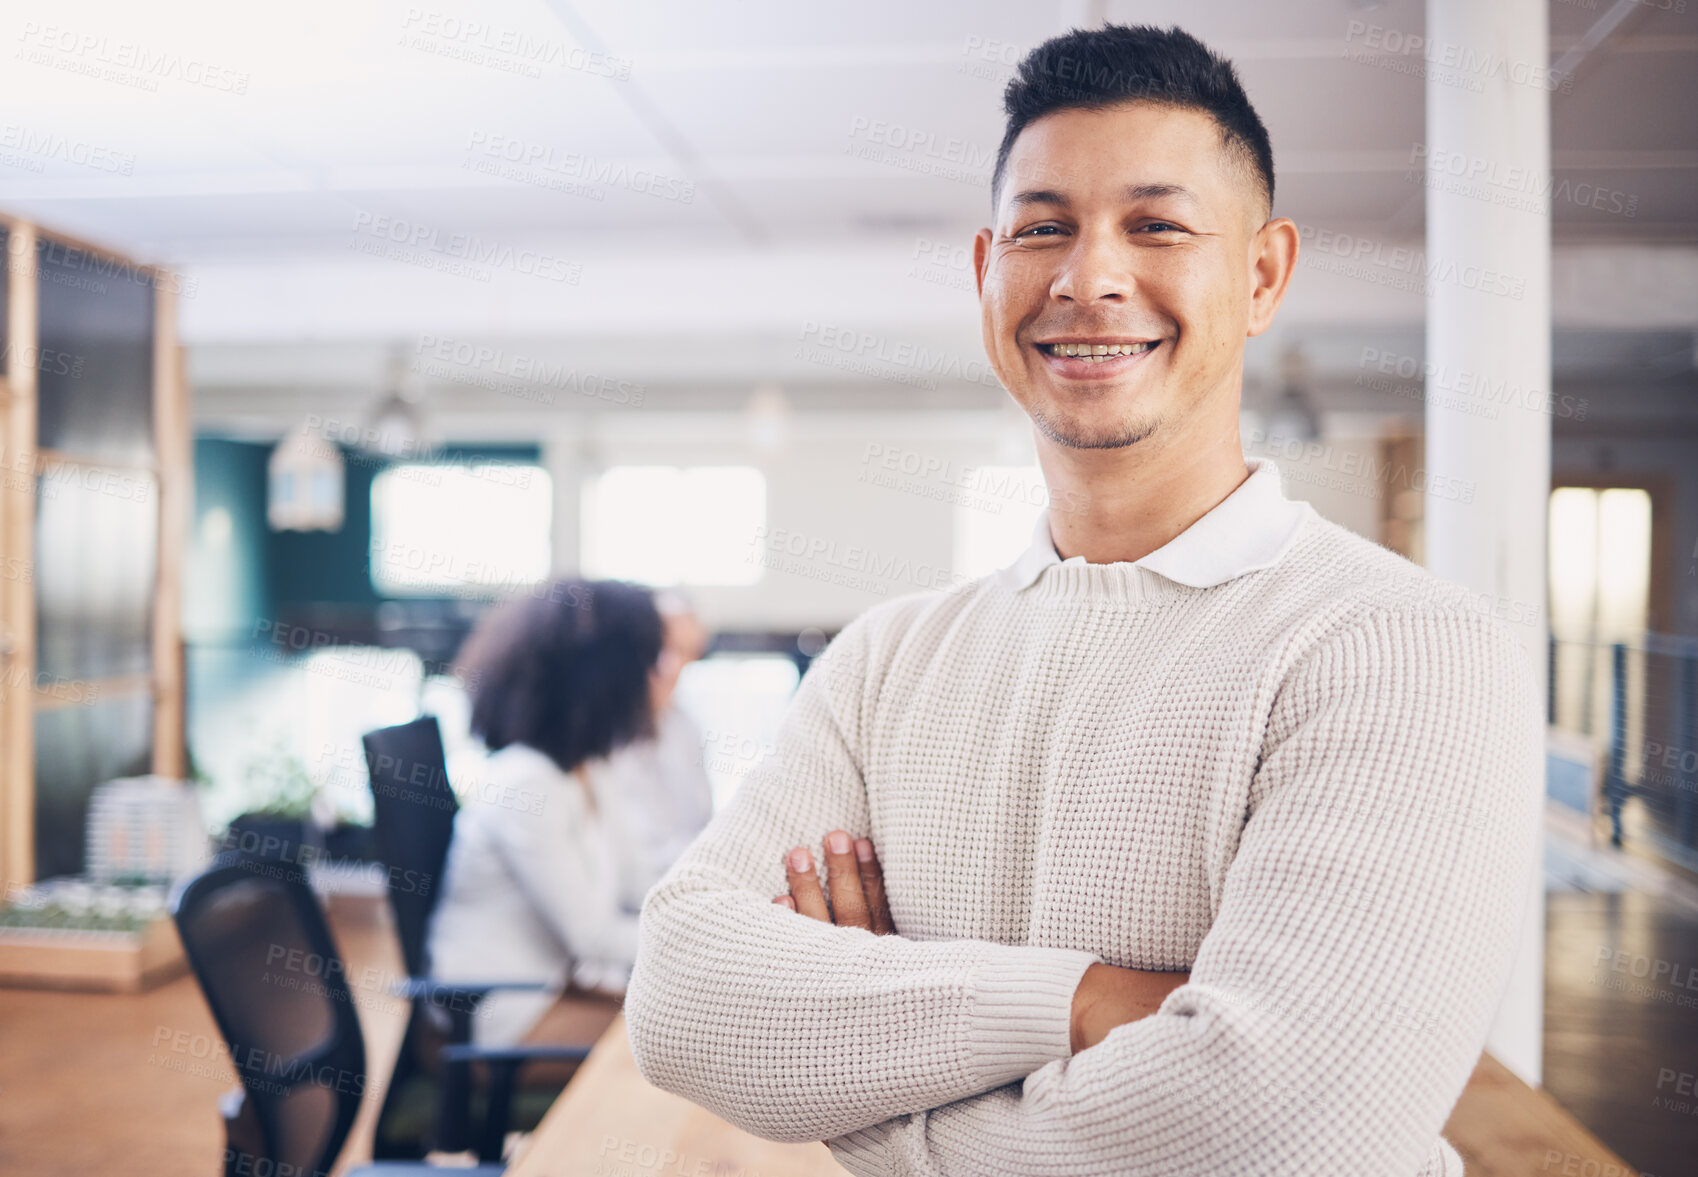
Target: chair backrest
413 821
258 942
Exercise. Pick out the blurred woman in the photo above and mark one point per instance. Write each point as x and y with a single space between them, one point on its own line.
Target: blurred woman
531 890
655 792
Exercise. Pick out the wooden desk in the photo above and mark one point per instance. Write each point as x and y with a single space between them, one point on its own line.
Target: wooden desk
1504 1128
610 1122
86 1087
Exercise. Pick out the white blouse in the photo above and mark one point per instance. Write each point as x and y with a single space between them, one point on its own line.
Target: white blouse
655 798
531 889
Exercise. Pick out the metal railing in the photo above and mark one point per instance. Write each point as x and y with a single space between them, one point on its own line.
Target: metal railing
1638 700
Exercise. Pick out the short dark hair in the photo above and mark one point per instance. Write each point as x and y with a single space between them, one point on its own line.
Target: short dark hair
564 669
1091 69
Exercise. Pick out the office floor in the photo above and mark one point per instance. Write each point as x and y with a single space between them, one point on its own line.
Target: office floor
1621 993
129 1084
1622 1030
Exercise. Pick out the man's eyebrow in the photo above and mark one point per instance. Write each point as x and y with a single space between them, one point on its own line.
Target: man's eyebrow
1040 196
1156 191
1132 192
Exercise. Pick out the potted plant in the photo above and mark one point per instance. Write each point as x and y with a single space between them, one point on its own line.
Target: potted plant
277 823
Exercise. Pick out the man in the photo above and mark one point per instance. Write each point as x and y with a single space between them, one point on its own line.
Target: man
1204 826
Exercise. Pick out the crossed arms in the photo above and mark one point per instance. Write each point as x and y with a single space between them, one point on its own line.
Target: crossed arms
1330 1019
1107 996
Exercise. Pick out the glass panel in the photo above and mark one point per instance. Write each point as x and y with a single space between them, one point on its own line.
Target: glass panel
96 357
78 746
95 556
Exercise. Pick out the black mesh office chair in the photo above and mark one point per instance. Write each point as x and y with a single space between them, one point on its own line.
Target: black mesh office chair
292 1032
413 822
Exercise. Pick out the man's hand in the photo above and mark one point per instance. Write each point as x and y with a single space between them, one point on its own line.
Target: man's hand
1109 996
857 885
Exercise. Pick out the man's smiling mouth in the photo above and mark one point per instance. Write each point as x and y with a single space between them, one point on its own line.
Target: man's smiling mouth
1098 353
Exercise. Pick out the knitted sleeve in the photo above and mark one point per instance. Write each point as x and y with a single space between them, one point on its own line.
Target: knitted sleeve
799 1030
1366 928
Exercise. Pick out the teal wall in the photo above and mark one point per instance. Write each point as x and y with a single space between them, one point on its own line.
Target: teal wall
261 572
228 581
243 580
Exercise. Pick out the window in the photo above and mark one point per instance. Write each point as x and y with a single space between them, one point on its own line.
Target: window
994 517
1600 562
665 525
471 529
738 701
1599 554
340 693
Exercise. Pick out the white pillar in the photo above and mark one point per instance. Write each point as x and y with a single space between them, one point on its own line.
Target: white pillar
562 456
1489 323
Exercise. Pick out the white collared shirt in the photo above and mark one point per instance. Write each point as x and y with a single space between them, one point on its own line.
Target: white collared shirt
1247 531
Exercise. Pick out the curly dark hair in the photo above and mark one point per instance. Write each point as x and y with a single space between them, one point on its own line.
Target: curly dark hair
564 670
1096 68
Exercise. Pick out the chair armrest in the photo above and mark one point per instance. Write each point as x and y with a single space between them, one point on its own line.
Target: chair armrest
466 1053
503 1063
231 1102
244 1144
458 1002
432 989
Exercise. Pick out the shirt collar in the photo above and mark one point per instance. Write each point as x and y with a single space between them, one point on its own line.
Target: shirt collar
1247 531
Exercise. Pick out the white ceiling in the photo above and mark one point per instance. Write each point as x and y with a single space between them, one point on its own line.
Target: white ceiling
352 116
357 108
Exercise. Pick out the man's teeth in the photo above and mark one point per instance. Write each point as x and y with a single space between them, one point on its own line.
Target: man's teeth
1096 353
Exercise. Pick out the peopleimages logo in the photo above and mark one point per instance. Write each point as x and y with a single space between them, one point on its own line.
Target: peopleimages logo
462 247
1369 466
1475 389
1448 62
1486 179
173 1048
1404 267
50 146
851 565
528 157
918 149
127 62
512 50
516 374
869 348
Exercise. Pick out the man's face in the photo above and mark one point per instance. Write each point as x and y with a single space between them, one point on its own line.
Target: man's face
1133 225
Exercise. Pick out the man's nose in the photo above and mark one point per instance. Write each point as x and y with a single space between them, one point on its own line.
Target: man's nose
1093 271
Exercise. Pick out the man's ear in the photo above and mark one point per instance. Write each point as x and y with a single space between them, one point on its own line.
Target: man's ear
981 257
1273 259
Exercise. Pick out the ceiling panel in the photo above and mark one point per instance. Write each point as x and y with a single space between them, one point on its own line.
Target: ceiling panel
642 129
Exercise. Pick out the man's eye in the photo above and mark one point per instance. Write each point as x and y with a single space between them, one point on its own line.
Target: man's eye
1038 229
1160 227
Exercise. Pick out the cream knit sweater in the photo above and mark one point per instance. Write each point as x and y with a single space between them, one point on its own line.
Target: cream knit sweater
1314 786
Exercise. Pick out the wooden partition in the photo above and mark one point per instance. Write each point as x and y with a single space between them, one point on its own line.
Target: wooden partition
96 457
